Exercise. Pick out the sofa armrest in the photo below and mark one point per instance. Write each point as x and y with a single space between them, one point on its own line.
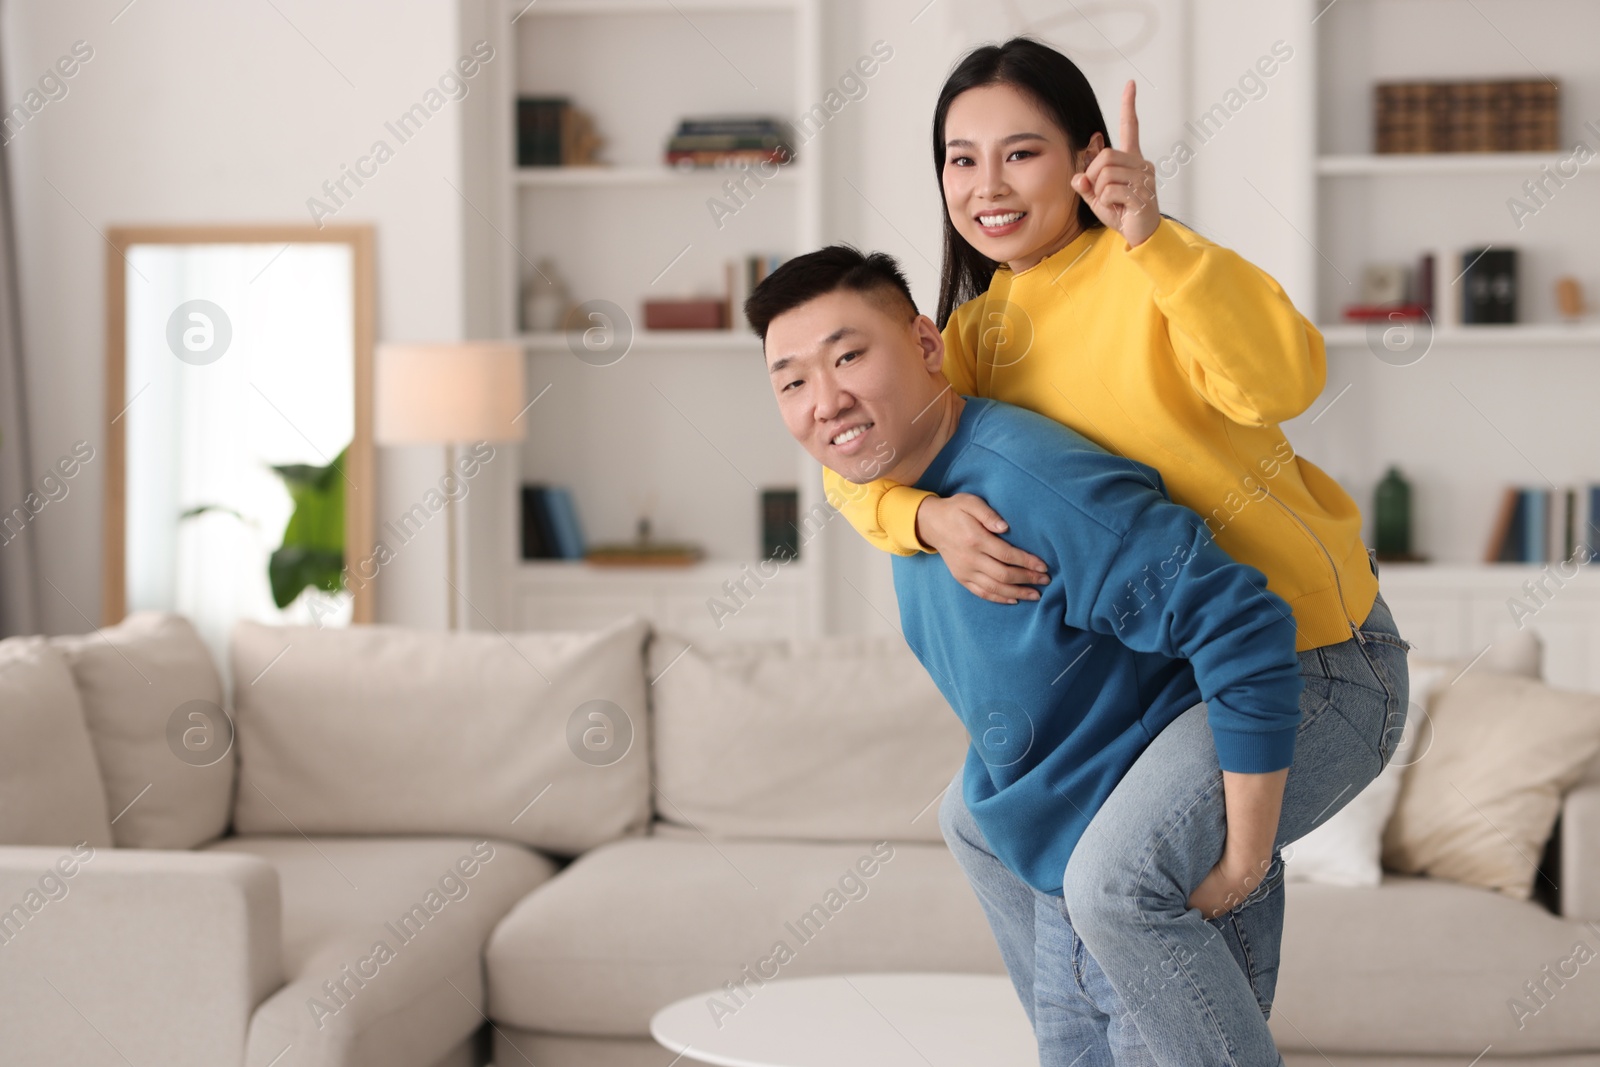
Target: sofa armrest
1580 852
160 956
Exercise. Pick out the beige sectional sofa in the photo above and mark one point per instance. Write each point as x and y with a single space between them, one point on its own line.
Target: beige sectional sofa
412 848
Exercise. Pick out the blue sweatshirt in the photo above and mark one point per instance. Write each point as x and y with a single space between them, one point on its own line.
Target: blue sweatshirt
1143 618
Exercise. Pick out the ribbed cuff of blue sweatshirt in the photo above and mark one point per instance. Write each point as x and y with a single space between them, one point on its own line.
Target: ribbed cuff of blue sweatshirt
1251 752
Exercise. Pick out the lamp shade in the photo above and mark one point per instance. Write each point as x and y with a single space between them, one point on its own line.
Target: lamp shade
456 391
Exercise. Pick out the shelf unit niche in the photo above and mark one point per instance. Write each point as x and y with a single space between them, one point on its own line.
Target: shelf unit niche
1376 207
683 427
1487 406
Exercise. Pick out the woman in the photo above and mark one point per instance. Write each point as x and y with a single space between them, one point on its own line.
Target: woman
1065 290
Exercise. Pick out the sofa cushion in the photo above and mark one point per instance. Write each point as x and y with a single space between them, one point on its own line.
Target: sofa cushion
50 788
635 924
153 701
430 903
1431 968
1520 653
834 739
1479 806
532 737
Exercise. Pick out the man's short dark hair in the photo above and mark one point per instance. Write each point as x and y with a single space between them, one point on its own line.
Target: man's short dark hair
818 273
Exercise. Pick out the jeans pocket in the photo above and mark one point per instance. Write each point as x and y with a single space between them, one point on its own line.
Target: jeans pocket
1394 725
1385 653
1379 643
1269 882
1394 728
1255 930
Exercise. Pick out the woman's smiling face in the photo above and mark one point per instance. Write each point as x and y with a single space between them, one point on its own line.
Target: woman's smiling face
1007 175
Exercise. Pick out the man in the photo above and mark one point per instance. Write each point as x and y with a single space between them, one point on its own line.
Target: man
1143 619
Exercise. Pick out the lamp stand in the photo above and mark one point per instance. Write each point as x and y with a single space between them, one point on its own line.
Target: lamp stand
450 538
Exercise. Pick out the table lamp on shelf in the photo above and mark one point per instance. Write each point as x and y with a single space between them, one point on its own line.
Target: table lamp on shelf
450 393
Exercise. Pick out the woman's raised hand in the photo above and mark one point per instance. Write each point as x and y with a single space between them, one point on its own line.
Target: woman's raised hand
1120 186
966 533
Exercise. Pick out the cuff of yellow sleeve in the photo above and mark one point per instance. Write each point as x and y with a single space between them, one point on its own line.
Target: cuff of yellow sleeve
897 518
1165 257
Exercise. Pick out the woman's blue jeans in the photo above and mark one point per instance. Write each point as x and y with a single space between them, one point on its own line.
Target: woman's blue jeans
1119 969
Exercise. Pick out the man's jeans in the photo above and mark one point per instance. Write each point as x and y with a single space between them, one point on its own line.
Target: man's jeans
1136 976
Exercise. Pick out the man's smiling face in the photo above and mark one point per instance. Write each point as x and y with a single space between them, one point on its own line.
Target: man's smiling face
855 381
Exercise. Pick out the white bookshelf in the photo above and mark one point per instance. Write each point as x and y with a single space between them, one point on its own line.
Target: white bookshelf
737 341
520 9
613 177
1488 406
683 427
546 592
1453 611
1375 165
1516 336
1391 208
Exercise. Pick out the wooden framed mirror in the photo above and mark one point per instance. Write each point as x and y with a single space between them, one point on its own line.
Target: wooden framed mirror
239 420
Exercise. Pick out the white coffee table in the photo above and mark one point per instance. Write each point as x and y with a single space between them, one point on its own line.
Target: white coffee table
855 1020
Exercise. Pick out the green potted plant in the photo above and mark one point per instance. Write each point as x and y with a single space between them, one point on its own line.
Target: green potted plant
312 552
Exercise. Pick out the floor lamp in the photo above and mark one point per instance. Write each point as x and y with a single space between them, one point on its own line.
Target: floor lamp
451 394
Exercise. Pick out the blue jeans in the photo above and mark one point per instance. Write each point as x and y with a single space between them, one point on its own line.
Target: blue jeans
1119 969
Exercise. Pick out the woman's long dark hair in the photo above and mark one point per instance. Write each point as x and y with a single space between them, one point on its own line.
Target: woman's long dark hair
1059 87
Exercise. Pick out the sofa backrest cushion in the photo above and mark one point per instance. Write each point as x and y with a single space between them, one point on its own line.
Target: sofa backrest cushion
154 704
50 789
838 738
1520 653
1493 758
531 737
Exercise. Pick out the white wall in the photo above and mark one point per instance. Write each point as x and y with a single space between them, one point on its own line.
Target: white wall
196 112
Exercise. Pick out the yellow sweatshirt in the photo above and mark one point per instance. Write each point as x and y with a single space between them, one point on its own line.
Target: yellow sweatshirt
1180 354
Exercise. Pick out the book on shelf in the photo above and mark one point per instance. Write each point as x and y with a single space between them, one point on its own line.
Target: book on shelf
780 525
730 158
539 130
737 125
1369 312
1477 116
1422 287
564 520
1545 525
1488 286
553 133
692 313
550 528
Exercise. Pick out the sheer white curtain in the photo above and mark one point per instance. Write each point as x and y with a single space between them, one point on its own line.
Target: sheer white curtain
208 434
19 571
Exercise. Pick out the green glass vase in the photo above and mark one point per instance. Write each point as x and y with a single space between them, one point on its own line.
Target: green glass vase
1392 506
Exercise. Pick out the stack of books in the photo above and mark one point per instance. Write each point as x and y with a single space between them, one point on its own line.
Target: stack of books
1545 526
729 141
1482 116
